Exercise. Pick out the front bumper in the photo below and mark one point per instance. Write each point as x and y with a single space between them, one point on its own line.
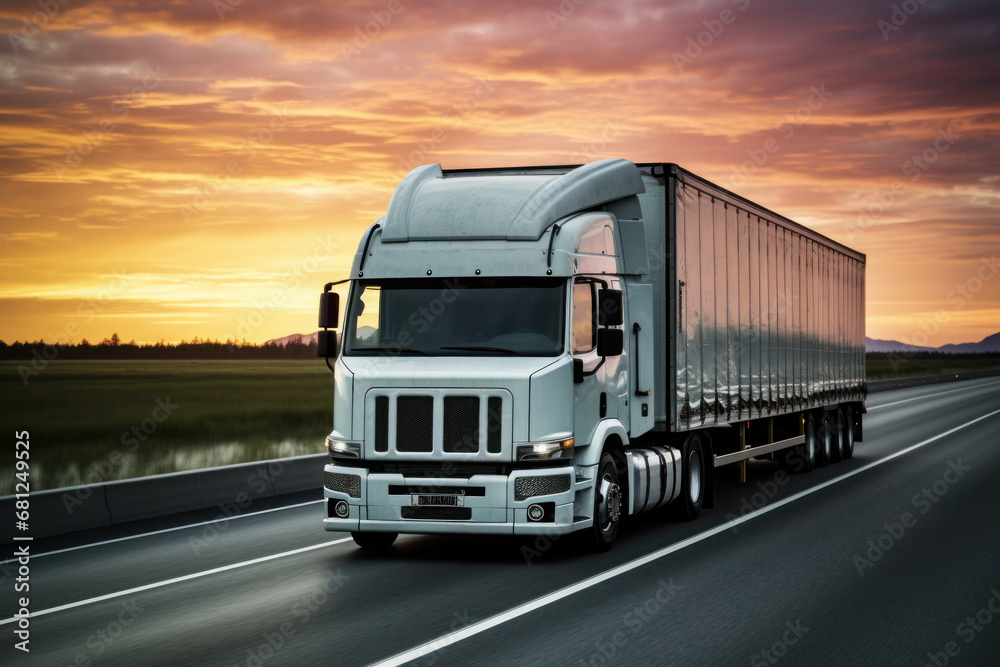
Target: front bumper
495 504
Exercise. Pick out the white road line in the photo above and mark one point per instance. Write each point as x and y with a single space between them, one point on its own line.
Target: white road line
165 530
175 580
528 607
939 393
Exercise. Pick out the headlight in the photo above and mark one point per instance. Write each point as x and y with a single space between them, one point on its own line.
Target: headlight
342 449
549 449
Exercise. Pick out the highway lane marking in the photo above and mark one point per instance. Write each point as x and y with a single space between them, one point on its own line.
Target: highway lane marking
175 580
940 393
476 628
165 530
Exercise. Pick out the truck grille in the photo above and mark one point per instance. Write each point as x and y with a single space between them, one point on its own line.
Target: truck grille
415 424
439 422
529 487
461 424
341 483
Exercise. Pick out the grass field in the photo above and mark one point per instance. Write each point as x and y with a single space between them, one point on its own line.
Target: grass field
901 367
80 414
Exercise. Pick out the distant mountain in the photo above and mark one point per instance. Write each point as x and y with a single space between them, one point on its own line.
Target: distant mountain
988 344
878 345
304 339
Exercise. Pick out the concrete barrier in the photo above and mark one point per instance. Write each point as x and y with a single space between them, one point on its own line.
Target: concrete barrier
157 495
888 385
60 511
227 484
298 473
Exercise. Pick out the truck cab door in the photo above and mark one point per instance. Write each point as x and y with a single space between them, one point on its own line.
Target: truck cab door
641 366
604 379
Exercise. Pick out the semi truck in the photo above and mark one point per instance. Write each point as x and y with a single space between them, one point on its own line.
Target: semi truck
546 350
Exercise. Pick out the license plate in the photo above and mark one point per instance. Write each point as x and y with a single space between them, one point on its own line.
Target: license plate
437 500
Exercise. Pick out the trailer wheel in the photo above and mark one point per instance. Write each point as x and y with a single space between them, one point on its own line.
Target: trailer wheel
607 505
837 434
848 432
693 473
802 458
824 455
374 541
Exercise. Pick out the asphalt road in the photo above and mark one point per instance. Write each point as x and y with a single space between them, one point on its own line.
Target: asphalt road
890 558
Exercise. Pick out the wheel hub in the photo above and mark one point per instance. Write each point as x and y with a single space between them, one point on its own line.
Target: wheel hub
610 506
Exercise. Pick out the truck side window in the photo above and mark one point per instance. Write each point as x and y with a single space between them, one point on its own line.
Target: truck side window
366 327
584 314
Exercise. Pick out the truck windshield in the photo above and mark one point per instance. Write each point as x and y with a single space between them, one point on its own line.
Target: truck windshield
457 317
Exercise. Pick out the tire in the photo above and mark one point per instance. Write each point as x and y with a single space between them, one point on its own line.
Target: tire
693 472
824 433
607 505
802 458
837 433
848 432
374 541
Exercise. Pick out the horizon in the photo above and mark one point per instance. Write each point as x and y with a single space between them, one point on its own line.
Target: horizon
205 168
206 340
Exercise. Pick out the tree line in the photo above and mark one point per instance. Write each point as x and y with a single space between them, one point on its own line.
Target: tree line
114 348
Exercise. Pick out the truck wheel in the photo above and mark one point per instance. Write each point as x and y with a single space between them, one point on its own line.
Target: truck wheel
837 434
825 437
693 471
374 541
607 505
848 432
802 458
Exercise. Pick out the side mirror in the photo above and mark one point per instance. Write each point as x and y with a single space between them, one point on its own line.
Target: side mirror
326 344
609 308
610 342
329 310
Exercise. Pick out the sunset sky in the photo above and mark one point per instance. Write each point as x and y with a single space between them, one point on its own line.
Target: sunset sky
201 168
